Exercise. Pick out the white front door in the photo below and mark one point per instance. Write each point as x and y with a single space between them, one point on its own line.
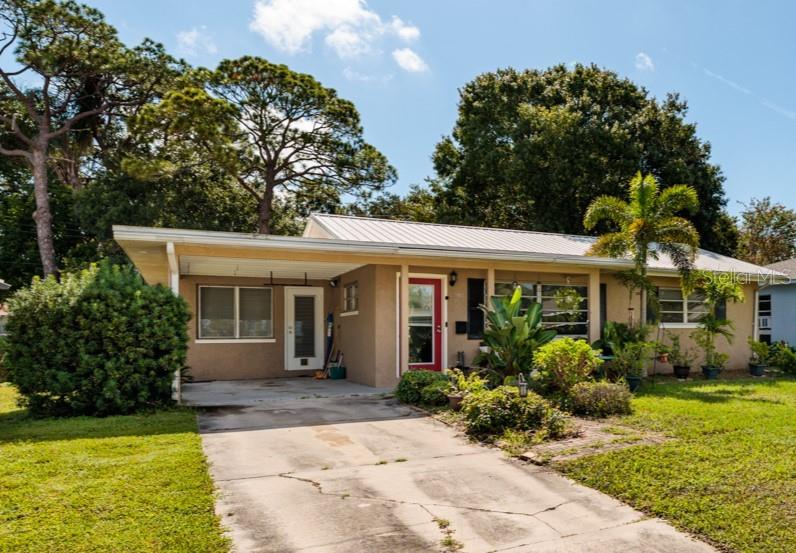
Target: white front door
303 328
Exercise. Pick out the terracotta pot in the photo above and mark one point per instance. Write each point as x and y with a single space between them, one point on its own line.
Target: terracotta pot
455 402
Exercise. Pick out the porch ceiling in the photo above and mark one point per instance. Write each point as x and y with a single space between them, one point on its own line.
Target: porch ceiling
262 268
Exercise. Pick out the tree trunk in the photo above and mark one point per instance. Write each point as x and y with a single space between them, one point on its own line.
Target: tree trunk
265 211
43 214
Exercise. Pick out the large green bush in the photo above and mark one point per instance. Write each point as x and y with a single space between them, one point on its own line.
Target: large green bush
435 394
599 399
97 342
411 385
491 412
563 363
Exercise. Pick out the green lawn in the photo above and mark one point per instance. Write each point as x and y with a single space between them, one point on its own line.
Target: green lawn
729 472
135 483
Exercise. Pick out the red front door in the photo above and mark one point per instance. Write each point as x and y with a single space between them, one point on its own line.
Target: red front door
425 323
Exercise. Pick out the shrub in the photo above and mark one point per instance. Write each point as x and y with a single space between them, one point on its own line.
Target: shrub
782 356
435 393
462 385
491 412
599 399
99 342
564 363
411 385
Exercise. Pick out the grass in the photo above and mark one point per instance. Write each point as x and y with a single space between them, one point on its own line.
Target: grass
118 484
729 472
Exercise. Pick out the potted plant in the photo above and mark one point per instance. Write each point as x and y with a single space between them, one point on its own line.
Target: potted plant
758 363
460 385
680 358
663 352
710 328
628 362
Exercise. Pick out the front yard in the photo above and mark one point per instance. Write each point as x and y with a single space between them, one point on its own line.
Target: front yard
728 473
133 483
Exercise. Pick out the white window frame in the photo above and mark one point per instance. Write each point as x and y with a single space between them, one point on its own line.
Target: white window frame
537 297
346 312
236 309
685 323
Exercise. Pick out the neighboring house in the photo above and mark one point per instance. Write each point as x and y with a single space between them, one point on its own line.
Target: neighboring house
260 302
777 306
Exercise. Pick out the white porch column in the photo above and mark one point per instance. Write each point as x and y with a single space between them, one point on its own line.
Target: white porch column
174 284
490 286
403 308
595 322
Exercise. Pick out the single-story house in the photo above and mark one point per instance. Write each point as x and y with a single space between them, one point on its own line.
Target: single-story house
777 305
400 294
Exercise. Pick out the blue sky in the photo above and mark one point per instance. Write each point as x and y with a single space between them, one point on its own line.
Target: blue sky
401 62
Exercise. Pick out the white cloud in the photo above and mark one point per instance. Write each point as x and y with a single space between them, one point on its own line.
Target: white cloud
644 62
195 42
349 27
408 60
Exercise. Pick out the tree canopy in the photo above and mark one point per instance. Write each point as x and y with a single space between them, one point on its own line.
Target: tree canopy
274 131
768 232
532 149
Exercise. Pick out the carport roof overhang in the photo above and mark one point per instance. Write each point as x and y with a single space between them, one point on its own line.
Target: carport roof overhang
230 253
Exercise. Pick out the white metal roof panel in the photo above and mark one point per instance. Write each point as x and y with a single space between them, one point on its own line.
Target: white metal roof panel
363 229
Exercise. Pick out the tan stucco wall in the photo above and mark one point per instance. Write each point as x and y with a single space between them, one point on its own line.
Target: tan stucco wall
369 339
225 361
741 314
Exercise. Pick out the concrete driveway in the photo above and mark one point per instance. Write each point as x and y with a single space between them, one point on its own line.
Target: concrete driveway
350 474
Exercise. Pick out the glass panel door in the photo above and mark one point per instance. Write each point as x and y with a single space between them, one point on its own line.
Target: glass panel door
421 323
304 334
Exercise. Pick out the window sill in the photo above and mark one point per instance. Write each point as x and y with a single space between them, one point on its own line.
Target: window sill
236 341
349 313
678 325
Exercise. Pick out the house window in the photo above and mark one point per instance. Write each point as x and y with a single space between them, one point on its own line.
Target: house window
564 306
351 298
235 313
475 315
674 308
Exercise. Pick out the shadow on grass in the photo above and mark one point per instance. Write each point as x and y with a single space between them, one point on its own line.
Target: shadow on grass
715 391
18 426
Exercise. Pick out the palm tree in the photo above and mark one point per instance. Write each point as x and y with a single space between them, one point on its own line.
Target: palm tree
646 226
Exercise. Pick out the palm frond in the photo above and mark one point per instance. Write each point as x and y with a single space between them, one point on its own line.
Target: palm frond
607 208
612 244
679 197
677 230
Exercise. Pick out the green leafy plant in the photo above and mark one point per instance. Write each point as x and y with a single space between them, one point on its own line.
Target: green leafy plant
760 351
412 383
563 363
97 342
511 338
435 393
491 412
678 355
630 358
461 384
710 328
599 399
782 356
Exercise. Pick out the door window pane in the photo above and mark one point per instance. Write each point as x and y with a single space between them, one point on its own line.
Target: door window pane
255 313
421 323
304 326
217 317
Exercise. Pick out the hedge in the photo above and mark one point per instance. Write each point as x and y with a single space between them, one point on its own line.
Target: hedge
96 342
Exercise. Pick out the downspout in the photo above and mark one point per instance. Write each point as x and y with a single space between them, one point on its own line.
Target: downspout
174 284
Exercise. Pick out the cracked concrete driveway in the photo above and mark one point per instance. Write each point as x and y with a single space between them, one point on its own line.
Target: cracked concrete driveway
366 474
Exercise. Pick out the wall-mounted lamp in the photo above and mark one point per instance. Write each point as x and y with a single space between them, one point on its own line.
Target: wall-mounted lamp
333 283
452 278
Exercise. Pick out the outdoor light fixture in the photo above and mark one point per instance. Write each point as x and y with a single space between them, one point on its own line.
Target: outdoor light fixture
333 283
452 278
522 384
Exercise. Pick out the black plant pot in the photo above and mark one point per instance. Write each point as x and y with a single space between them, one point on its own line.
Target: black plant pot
756 369
633 382
711 373
681 372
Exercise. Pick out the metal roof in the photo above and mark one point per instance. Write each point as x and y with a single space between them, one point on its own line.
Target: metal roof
4 285
454 237
787 267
